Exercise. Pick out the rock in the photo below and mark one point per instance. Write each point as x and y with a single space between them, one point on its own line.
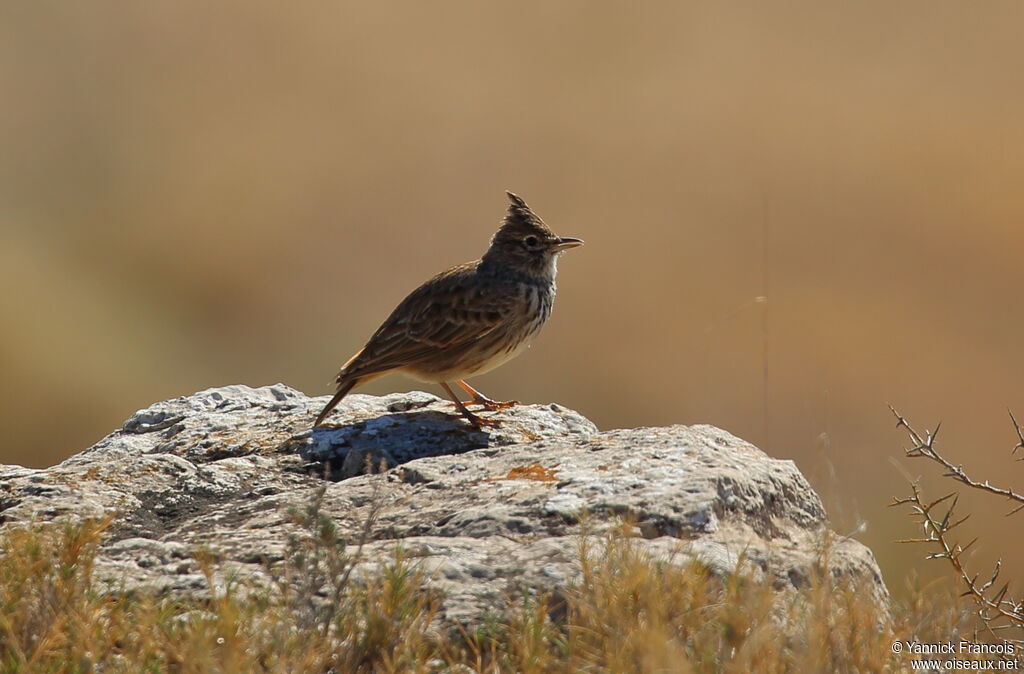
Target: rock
486 513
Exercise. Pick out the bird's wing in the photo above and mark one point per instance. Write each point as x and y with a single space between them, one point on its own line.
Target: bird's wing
448 312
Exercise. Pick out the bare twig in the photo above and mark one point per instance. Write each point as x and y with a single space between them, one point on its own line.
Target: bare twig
1020 434
996 610
924 446
992 604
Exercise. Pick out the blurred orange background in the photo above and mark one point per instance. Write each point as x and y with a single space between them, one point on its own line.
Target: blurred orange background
795 213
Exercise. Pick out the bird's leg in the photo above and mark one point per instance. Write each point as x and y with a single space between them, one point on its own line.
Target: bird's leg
477 422
481 399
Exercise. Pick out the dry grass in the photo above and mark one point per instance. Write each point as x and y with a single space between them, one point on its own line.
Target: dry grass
633 613
627 613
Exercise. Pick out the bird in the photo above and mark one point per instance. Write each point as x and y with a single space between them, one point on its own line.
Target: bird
469 319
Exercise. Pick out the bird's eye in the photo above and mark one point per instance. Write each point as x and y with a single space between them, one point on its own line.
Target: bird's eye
531 241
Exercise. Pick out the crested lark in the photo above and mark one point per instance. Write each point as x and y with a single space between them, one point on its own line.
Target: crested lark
470 319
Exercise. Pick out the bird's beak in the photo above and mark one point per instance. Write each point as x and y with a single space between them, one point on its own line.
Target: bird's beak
567 242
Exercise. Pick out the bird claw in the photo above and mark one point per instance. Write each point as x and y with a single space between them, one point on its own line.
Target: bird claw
492 405
476 421
480 422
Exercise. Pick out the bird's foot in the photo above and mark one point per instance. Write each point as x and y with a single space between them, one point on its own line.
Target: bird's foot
492 405
479 422
482 400
473 419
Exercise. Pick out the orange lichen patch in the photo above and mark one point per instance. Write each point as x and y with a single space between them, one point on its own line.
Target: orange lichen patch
534 471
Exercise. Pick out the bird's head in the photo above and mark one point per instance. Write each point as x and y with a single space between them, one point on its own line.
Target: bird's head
525 243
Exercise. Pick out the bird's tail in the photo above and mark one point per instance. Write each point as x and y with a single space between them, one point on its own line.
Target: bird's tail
343 389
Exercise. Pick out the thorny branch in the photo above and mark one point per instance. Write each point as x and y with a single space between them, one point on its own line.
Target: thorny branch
993 604
924 445
1020 434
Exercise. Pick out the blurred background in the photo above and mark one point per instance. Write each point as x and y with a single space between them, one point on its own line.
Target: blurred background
795 213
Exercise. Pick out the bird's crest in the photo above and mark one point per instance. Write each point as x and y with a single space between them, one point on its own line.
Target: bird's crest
520 216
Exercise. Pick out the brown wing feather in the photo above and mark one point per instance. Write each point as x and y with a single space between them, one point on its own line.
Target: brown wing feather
448 312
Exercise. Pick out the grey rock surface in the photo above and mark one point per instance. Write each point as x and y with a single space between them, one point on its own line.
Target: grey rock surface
486 513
